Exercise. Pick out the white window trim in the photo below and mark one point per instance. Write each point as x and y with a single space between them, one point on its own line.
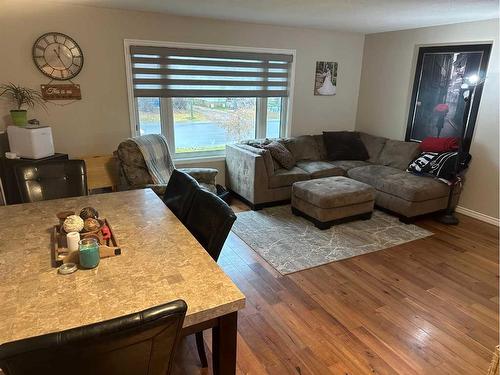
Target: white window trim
286 118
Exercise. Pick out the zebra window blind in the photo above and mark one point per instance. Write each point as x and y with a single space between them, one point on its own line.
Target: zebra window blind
186 72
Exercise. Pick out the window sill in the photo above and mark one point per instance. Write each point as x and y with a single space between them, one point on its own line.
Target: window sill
199 159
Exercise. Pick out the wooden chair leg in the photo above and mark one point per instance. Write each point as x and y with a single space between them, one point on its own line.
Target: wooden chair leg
200 345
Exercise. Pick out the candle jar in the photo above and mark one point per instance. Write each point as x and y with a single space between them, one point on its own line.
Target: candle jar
89 253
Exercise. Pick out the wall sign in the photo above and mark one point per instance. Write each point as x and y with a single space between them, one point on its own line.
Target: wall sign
61 92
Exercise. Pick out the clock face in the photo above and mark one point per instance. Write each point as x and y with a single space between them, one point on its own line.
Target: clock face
58 56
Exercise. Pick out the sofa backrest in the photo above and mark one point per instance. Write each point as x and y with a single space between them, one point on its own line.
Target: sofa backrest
373 144
132 164
384 151
306 147
398 154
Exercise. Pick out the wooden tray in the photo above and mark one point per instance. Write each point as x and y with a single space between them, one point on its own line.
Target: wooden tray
60 253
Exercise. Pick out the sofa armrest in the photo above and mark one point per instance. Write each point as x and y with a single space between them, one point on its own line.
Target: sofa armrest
246 173
202 175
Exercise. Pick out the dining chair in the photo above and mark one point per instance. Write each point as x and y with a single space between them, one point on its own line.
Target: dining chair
51 180
141 343
209 220
179 193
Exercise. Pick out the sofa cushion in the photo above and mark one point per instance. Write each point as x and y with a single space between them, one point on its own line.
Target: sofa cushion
349 164
413 188
281 154
372 174
284 177
319 169
333 192
344 145
303 147
398 154
373 145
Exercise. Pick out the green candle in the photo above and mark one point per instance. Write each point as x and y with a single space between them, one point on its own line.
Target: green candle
89 253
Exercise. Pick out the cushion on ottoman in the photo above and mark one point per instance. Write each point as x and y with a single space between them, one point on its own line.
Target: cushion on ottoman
333 192
326 201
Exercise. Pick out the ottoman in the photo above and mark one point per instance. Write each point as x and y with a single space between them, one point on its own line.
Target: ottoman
332 200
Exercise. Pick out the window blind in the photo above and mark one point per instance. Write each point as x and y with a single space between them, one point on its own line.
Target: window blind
186 72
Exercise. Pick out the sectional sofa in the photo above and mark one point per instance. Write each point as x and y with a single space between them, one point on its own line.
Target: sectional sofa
254 176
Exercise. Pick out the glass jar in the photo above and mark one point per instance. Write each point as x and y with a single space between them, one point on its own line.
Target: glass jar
89 253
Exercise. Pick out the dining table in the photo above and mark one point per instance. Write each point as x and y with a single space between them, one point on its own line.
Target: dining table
160 261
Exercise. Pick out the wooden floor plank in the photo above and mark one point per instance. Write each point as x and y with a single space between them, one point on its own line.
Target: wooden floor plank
426 307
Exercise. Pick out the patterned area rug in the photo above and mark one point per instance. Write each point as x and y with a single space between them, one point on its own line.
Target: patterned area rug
290 243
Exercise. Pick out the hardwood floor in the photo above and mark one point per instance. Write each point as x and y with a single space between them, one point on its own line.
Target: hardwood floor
425 307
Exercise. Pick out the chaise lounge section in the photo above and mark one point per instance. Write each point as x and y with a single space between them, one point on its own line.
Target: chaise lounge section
254 176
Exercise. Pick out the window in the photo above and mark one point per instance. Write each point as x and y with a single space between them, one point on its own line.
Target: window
208 124
149 120
203 99
273 118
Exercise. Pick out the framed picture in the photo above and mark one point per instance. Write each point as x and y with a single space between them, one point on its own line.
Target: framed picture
325 82
446 78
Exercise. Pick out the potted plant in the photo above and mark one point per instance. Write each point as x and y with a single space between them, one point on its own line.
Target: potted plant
21 97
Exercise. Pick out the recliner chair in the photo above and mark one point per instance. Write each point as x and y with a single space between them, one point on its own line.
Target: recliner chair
134 173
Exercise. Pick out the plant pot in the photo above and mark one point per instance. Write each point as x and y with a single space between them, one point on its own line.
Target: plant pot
19 117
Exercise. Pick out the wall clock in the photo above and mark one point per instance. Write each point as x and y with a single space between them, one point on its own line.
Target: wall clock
58 56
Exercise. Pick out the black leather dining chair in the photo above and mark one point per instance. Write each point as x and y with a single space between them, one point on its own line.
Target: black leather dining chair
180 193
142 343
51 180
209 220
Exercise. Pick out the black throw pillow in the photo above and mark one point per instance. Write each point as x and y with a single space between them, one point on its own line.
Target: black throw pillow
344 146
441 165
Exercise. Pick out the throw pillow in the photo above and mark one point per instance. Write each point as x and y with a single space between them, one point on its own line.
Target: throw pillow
432 144
440 165
281 154
344 146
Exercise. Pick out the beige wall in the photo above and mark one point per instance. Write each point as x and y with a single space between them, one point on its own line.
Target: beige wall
98 122
386 83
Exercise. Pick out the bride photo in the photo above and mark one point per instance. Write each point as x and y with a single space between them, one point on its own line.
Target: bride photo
326 78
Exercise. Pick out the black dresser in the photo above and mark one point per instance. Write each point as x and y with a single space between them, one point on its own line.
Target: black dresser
8 178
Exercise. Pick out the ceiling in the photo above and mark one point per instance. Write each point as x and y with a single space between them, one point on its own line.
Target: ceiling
365 16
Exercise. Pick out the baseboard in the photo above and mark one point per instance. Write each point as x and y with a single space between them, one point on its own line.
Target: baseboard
478 215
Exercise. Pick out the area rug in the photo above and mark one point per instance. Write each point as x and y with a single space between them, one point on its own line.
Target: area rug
291 243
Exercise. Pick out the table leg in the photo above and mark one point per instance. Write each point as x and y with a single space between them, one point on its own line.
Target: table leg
224 337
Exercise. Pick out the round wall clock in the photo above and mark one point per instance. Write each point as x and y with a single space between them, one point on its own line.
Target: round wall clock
57 56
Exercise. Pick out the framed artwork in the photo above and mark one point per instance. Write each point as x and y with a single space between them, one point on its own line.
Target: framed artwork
446 78
325 82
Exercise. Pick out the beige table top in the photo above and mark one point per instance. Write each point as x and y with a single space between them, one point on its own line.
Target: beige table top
160 262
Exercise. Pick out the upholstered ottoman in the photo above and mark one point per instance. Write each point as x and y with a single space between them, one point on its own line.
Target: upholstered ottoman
332 200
